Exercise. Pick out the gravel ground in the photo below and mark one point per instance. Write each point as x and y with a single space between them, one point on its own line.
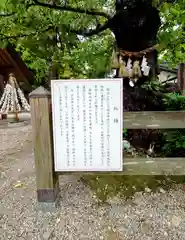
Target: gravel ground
147 216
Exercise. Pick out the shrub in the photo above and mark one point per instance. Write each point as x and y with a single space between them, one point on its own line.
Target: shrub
174 140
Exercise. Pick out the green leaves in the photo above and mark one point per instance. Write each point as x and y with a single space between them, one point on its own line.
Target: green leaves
174 101
34 29
28 30
172 33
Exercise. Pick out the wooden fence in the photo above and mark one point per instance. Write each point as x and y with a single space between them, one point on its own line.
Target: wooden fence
47 178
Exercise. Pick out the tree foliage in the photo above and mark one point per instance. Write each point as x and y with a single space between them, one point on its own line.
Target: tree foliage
46 31
172 33
33 29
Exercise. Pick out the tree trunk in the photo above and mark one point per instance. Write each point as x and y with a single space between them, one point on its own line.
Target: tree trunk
135 26
181 78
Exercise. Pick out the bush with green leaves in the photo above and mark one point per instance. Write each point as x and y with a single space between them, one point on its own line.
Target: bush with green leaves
174 102
174 139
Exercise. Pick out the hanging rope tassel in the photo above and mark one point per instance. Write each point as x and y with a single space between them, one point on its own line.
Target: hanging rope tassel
122 70
129 68
115 61
136 71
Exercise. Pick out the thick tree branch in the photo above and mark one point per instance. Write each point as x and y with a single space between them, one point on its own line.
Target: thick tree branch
91 12
91 32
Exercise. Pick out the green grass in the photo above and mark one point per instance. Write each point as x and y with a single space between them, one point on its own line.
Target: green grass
107 186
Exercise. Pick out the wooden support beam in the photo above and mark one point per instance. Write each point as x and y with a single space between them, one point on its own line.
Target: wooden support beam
145 166
154 166
154 120
47 179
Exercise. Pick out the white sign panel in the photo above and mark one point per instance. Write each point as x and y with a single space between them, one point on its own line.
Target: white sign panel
87 124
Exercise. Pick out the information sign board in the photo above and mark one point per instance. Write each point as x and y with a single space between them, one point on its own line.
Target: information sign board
87 124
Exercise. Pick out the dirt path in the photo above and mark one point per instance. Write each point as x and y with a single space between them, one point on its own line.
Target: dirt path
19 216
147 216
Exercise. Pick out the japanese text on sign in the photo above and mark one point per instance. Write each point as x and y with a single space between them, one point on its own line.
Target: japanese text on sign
87 124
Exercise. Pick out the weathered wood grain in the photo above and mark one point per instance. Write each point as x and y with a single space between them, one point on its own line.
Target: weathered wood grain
154 120
154 166
47 179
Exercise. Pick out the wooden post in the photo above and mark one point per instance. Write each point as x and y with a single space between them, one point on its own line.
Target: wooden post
1 85
41 118
181 78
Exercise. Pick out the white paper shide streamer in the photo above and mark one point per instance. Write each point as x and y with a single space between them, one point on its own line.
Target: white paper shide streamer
144 67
